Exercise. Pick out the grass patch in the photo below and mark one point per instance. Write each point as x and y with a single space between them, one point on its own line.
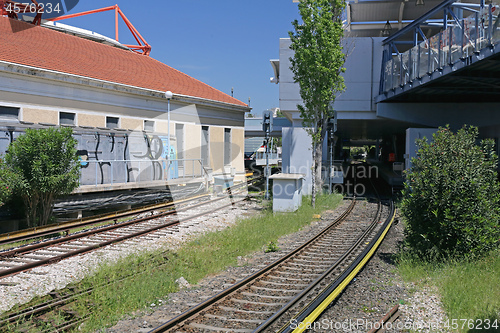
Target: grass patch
155 274
469 289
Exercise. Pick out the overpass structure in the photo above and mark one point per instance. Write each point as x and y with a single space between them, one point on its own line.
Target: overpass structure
253 127
416 64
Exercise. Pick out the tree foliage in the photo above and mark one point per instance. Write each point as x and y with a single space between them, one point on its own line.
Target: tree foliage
41 165
317 66
5 186
451 199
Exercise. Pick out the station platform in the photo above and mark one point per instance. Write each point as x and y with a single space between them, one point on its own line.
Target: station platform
137 185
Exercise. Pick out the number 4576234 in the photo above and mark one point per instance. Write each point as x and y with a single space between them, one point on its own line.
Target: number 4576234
478 324
26 8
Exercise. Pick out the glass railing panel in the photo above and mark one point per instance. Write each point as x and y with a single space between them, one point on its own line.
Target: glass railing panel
445 46
469 36
483 38
495 38
423 65
388 75
396 78
413 63
434 46
405 68
456 43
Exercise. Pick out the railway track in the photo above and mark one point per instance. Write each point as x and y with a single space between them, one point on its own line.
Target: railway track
33 317
154 223
296 287
56 306
68 226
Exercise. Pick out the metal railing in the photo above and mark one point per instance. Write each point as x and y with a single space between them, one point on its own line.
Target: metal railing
460 40
109 172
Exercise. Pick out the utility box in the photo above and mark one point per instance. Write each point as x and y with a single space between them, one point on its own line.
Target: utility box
222 182
287 191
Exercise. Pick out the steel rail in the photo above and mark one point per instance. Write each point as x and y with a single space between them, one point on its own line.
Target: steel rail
42 262
391 316
60 301
31 311
29 248
9 318
225 293
26 234
271 320
313 310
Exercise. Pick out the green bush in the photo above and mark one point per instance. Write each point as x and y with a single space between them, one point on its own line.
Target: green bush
451 197
41 165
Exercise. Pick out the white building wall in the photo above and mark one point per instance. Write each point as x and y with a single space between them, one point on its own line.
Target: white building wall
362 77
297 155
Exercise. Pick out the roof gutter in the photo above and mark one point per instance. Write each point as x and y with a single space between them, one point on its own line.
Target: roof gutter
97 83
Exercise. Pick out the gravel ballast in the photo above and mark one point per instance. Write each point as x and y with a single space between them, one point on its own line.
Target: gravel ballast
23 287
376 289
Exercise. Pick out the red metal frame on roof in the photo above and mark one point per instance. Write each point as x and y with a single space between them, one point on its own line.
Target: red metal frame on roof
142 48
12 8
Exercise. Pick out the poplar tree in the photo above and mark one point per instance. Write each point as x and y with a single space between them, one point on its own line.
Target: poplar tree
317 65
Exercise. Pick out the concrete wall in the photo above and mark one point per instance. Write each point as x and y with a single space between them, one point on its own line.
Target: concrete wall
162 127
238 147
84 119
40 116
362 76
297 155
217 149
289 90
192 139
131 123
412 134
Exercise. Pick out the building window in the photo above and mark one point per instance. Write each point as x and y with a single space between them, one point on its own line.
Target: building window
112 122
227 146
9 114
149 125
66 118
205 147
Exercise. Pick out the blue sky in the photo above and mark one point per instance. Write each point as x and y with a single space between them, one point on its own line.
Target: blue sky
224 43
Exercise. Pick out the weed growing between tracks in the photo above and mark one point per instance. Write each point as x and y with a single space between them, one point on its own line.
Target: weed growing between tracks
155 274
469 289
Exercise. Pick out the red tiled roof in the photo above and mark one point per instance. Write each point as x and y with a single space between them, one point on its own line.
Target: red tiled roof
48 49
